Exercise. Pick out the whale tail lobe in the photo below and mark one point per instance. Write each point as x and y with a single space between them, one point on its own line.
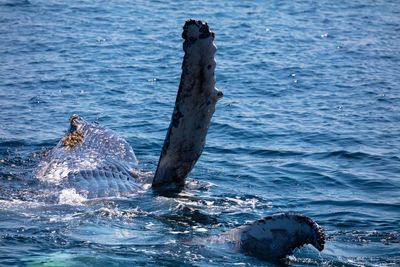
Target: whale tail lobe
275 236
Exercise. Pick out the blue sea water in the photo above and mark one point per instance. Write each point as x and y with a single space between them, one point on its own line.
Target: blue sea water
309 123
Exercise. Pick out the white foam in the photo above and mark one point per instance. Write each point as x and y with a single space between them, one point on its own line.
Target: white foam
71 197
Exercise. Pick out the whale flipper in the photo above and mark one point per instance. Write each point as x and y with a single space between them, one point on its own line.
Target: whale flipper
274 237
194 107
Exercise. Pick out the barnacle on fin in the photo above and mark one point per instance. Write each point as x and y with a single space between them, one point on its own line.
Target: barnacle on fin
72 139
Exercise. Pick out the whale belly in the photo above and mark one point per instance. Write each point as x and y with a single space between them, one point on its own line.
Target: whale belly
93 160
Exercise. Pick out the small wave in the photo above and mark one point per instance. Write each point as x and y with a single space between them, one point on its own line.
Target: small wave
15 3
255 151
347 154
359 236
357 203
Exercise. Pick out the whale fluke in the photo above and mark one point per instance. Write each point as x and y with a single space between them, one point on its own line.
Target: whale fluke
194 107
274 237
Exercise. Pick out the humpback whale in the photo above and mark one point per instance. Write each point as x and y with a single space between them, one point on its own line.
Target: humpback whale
96 162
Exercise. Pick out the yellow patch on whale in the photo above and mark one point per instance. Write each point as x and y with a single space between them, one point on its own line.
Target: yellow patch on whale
72 139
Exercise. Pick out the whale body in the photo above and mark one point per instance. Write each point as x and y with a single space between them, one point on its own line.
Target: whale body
93 160
96 162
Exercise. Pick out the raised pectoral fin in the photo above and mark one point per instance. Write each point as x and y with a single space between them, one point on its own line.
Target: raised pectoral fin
194 107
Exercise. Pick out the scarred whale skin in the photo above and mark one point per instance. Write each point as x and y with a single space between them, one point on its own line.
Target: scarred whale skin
194 106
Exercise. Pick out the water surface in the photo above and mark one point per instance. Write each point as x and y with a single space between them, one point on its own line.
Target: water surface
309 123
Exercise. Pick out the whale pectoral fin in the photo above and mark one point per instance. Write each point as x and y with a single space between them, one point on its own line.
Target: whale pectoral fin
274 237
194 107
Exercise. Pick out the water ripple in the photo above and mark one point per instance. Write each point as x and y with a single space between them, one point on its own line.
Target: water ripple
309 123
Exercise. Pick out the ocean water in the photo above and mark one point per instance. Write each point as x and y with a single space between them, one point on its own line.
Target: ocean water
309 123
